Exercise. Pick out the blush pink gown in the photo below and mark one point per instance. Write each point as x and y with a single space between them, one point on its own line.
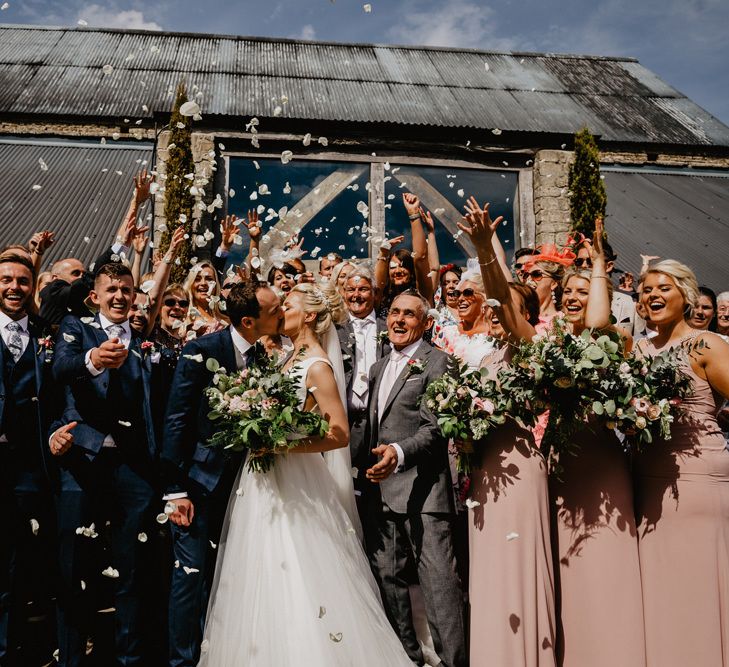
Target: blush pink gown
682 492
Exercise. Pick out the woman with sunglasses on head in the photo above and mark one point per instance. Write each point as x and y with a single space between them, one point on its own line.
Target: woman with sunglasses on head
511 580
203 292
682 488
594 531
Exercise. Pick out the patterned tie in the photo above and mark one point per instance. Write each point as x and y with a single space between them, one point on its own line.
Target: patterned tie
15 342
393 370
115 331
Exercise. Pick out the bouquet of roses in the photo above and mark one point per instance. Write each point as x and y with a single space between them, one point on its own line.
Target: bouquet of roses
559 371
641 396
467 406
257 409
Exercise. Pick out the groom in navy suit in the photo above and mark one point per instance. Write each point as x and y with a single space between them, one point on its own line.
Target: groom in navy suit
198 479
106 450
26 501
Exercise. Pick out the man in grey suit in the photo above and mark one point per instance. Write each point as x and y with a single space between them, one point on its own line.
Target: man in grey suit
410 507
361 338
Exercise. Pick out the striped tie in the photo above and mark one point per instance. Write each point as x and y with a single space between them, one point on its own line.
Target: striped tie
15 342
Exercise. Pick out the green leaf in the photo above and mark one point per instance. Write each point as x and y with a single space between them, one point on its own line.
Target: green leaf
610 407
598 408
212 365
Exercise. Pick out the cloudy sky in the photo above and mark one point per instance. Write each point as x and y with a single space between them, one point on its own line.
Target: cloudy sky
686 42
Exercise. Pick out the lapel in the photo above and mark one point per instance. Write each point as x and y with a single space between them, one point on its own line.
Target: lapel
39 355
226 355
420 354
382 347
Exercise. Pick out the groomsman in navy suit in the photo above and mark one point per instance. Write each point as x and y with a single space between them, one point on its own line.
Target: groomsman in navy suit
199 479
26 500
106 449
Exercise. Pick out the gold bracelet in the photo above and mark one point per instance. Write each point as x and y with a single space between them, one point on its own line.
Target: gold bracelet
491 261
604 277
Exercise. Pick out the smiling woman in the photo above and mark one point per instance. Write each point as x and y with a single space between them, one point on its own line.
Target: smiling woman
682 488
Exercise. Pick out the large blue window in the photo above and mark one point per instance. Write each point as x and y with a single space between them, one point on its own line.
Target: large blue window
328 202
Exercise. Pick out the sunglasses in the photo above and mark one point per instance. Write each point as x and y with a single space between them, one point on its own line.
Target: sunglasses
469 293
583 261
171 303
535 275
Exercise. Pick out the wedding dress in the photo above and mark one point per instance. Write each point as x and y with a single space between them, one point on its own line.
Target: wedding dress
293 586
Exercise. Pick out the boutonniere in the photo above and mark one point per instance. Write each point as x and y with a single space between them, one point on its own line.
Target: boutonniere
46 345
415 366
382 337
150 350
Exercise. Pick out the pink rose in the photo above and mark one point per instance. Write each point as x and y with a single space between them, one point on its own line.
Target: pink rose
147 345
484 405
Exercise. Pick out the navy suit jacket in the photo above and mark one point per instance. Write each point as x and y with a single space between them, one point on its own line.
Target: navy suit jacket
85 395
45 410
187 429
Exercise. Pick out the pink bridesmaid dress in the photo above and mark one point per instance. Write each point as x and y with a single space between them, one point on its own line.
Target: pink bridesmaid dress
682 493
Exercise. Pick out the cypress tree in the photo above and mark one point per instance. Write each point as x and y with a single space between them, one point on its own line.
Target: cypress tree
587 191
179 202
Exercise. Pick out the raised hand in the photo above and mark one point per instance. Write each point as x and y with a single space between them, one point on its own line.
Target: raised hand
139 242
62 439
480 227
388 244
142 181
412 204
427 220
254 228
110 354
228 231
596 247
40 242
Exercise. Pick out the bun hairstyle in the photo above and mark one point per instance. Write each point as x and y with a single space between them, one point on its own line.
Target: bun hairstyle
325 301
682 275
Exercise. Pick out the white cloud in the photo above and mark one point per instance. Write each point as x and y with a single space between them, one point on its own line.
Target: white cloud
307 32
103 17
459 23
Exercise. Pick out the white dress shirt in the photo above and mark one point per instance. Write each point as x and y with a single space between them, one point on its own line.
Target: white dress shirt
125 338
6 333
241 347
397 362
365 354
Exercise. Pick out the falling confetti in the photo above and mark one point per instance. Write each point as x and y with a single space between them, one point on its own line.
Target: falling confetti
367 8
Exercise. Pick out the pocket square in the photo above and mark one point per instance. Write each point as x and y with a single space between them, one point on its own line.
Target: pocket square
411 379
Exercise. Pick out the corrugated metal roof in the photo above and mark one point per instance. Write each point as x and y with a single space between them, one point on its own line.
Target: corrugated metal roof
82 195
58 71
656 214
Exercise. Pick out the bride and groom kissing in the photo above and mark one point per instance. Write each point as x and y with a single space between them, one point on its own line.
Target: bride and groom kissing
291 582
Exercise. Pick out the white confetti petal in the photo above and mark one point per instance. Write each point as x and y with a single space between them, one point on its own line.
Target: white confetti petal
36 187
494 303
286 157
194 357
367 8
190 108
190 570
496 131
69 338
335 637
162 518
307 139
123 423
42 163
110 572
107 69
277 111
34 526
142 537
512 536
472 503
323 141
461 192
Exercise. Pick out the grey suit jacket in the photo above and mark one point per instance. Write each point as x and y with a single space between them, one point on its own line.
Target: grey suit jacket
424 485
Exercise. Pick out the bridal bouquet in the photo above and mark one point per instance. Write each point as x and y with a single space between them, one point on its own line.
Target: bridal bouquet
642 396
258 411
467 406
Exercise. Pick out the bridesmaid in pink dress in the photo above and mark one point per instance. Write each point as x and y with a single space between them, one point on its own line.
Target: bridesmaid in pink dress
511 583
594 534
682 492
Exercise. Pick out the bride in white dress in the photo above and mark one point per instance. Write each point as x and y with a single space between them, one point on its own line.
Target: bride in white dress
293 586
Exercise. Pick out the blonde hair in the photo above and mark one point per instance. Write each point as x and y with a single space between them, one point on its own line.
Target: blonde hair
190 281
325 301
573 272
555 271
682 275
476 278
